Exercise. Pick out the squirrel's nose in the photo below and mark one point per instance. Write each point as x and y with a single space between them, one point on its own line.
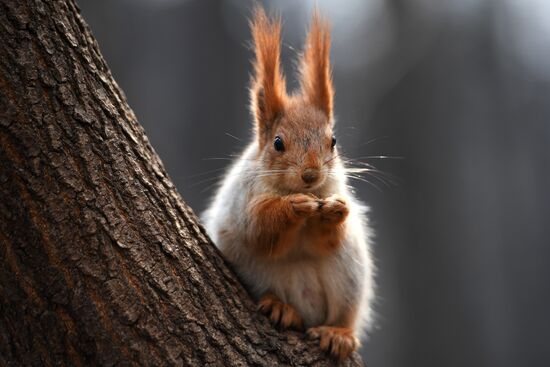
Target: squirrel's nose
310 175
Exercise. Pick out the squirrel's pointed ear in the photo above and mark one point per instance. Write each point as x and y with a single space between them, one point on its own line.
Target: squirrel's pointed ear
315 70
268 88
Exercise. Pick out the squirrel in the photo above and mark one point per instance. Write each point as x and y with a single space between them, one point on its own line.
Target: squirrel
284 216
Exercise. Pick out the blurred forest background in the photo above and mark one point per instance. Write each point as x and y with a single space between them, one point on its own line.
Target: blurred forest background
460 89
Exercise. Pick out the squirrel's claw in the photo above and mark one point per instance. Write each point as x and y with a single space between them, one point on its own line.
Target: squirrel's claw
339 342
304 205
279 313
334 209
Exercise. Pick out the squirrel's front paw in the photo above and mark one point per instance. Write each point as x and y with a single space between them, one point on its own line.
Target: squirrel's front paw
304 205
334 209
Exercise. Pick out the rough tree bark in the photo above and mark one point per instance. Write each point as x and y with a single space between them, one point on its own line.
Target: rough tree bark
102 263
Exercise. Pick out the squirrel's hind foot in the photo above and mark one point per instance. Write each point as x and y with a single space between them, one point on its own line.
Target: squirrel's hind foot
279 313
339 342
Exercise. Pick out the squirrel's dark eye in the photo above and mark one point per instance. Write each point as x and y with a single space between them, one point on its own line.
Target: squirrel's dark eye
333 143
278 144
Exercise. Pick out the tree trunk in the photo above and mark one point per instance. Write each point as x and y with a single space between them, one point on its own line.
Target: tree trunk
102 263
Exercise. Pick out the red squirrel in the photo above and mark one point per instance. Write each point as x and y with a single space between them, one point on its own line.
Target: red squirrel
284 215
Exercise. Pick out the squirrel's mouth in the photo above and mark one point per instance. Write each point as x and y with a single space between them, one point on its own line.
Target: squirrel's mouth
313 186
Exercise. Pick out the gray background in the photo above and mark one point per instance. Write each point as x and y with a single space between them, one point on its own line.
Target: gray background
460 89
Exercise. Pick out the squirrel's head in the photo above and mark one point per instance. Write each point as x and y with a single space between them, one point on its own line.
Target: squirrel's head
295 137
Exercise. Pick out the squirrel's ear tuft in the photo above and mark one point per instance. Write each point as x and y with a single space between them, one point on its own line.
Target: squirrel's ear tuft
315 71
268 88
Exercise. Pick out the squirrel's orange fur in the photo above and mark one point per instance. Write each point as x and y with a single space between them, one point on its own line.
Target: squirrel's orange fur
316 78
268 87
284 215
